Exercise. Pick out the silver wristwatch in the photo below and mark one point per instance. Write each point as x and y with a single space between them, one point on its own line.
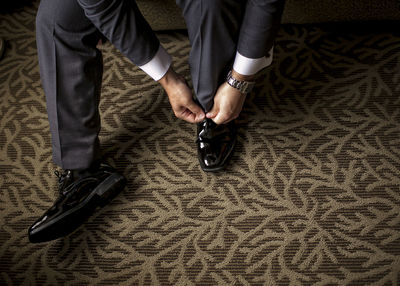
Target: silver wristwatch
242 86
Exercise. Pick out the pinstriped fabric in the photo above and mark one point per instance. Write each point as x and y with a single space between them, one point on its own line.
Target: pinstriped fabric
311 195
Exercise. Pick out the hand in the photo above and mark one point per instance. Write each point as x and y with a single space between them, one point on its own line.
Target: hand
180 97
228 101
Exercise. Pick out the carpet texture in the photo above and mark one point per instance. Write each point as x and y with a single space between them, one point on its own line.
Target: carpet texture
312 194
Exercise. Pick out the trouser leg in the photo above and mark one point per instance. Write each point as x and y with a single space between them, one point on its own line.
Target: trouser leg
71 72
213 29
71 67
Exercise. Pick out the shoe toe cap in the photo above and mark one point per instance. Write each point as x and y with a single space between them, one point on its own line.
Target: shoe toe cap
210 160
34 232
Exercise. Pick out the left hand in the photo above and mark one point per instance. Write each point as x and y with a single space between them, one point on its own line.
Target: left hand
228 103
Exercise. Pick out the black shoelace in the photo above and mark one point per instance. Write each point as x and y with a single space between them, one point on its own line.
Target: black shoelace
208 125
62 180
66 183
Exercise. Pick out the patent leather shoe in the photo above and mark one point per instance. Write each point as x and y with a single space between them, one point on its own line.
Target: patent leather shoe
79 196
215 144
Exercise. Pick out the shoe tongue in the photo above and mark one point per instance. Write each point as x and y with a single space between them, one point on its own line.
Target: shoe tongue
80 173
210 130
77 174
210 123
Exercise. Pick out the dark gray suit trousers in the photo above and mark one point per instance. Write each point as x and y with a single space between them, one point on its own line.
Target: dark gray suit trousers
67 32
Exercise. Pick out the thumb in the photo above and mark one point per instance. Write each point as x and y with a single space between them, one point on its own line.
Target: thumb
218 119
213 112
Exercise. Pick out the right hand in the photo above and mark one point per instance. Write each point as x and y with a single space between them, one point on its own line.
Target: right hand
180 97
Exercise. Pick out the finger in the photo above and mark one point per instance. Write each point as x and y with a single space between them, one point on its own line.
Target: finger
199 117
220 118
187 116
213 112
224 117
196 110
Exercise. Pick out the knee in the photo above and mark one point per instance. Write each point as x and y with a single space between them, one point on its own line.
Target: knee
67 15
103 8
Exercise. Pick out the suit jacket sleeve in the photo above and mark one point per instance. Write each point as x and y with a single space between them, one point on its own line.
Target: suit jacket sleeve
259 27
258 30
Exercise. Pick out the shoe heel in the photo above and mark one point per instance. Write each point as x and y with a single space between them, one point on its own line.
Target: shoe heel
111 187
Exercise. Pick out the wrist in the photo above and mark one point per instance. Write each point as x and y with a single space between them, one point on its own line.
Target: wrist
240 82
241 77
169 76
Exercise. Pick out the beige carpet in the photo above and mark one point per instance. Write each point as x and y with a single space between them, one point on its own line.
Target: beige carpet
312 195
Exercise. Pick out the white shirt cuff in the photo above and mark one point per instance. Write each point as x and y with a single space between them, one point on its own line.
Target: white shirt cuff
158 66
248 66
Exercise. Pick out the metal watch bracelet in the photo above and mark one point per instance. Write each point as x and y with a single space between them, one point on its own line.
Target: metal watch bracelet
241 85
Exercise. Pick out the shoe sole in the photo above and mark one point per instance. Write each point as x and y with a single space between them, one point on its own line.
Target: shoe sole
67 222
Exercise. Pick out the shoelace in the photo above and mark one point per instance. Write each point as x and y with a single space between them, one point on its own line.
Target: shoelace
215 139
62 180
62 177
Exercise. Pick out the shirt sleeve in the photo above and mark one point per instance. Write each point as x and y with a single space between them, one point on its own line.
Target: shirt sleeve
247 66
158 66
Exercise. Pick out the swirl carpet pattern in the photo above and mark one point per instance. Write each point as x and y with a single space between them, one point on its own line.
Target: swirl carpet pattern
311 197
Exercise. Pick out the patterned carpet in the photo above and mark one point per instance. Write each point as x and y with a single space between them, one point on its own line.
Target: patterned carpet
312 195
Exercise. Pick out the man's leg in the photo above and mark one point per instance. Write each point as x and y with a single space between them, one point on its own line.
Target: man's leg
254 53
213 29
71 72
71 68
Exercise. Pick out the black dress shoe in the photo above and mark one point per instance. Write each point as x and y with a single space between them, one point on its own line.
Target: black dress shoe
215 144
79 197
